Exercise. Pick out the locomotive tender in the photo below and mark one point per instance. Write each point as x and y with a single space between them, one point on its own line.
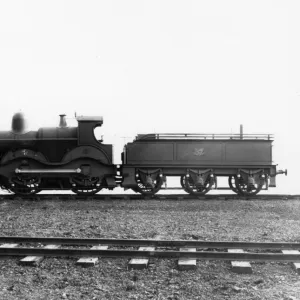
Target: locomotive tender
70 158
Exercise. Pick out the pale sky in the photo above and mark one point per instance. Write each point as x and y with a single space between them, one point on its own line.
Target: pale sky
163 66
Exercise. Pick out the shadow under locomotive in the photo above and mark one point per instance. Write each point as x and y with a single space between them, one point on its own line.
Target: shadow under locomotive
71 158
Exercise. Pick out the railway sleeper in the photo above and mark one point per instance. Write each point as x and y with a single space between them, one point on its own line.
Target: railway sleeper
90 261
36 260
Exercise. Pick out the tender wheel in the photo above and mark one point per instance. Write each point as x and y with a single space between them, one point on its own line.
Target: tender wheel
231 182
246 188
85 186
25 186
182 182
193 189
149 190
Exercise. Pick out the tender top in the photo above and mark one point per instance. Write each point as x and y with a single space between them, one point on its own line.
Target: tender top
203 136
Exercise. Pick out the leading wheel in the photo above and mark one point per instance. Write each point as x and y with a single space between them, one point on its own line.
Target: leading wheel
25 186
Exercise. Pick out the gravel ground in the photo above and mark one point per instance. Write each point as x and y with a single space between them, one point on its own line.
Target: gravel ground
60 278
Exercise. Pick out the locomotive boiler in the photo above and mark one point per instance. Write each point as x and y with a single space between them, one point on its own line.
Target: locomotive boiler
58 158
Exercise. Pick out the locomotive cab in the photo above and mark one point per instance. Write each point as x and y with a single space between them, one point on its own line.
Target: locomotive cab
86 127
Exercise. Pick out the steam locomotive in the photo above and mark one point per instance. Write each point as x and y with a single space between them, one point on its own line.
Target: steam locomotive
71 158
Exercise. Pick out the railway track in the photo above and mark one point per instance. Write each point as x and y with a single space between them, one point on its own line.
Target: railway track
203 250
155 197
35 249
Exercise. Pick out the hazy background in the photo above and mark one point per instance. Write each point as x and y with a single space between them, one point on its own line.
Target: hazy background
157 66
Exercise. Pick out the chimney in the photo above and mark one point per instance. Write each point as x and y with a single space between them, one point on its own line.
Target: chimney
62 121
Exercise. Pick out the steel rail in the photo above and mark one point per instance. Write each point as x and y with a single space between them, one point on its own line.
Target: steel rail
151 242
154 197
154 254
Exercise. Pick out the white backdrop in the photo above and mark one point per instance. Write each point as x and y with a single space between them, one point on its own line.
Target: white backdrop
157 66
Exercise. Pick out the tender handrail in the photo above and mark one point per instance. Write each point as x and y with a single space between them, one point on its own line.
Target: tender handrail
204 136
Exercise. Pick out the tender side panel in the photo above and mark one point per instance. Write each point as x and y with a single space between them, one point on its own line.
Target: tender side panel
247 152
149 152
206 153
199 152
